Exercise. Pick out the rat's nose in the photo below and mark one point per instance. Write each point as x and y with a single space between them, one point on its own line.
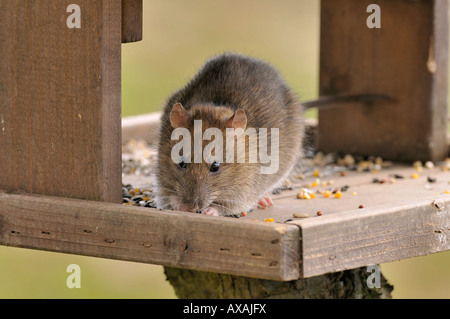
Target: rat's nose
192 208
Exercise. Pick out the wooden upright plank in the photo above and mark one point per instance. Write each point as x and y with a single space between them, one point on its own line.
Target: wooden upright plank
60 99
405 59
215 244
132 20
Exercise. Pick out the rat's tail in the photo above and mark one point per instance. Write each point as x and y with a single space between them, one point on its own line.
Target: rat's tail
334 101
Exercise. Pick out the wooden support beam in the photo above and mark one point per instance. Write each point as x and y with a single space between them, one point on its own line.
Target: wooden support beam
60 99
225 245
132 20
406 59
349 284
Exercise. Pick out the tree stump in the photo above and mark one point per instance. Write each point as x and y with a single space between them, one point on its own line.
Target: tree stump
348 284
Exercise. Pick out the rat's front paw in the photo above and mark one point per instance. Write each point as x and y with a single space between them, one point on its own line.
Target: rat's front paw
210 211
265 202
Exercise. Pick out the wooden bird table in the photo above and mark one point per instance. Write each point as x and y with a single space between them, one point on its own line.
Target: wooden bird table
60 154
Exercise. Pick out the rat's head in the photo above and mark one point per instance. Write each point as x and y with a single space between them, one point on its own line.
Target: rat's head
194 171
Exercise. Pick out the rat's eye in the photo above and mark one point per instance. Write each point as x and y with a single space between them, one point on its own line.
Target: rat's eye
214 167
182 164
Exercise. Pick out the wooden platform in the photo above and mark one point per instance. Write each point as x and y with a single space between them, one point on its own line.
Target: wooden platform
400 218
404 219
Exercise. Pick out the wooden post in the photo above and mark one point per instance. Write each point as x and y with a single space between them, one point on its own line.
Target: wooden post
190 284
60 98
131 20
405 59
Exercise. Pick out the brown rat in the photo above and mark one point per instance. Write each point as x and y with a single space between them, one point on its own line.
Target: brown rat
235 92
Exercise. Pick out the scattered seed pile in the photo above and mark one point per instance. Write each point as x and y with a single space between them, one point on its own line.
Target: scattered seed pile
138 158
137 196
321 166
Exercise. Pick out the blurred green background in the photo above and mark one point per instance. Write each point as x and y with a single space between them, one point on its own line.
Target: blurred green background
179 35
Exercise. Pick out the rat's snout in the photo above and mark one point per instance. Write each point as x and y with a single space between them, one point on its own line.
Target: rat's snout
192 208
190 198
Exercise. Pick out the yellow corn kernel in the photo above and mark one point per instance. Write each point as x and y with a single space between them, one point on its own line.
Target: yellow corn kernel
354 193
447 192
316 173
315 183
326 194
312 195
415 176
269 220
303 194
338 195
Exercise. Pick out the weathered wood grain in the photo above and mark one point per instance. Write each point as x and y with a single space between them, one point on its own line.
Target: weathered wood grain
216 244
402 219
132 20
383 234
406 59
60 99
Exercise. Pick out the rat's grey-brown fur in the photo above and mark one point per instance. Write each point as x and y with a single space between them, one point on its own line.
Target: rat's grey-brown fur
225 84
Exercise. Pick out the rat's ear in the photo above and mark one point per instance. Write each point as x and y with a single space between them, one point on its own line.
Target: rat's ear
179 116
238 120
